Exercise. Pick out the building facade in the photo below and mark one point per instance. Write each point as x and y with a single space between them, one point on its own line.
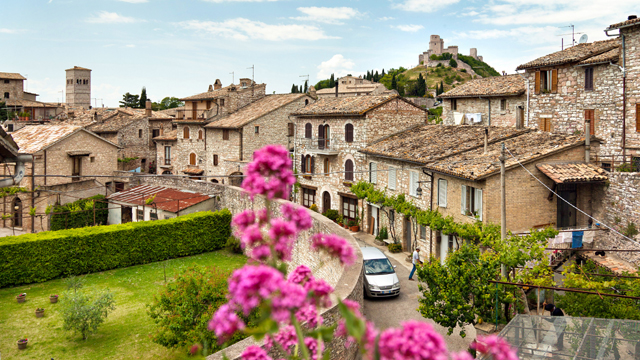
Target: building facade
353 86
78 86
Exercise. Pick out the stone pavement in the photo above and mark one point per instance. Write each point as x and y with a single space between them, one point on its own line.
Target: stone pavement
610 261
9 232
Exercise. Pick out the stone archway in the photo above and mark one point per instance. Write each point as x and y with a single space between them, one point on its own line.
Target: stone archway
236 178
167 172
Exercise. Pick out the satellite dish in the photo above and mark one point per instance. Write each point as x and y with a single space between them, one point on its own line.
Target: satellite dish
583 39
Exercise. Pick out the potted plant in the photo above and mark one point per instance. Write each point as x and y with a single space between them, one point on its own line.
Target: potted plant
353 225
22 344
53 298
22 297
39 312
340 220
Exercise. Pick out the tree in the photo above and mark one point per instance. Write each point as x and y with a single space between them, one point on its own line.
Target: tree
453 63
441 87
130 100
294 89
4 113
421 86
143 98
383 74
368 76
306 86
332 82
376 77
394 83
83 313
167 103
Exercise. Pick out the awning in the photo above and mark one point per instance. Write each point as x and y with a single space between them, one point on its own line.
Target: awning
192 171
573 173
79 153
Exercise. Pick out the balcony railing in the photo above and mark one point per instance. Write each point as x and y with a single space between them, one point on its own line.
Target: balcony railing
618 163
321 145
200 114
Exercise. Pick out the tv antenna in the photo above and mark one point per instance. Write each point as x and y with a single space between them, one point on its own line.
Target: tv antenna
573 35
253 73
233 77
583 39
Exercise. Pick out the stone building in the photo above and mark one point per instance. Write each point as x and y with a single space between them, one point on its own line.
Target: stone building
78 87
353 86
65 158
492 101
18 100
222 145
436 47
460 177
328 136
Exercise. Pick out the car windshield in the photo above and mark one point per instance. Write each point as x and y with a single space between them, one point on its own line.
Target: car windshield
378 267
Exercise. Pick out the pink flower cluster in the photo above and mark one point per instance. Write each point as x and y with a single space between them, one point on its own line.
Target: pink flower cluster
414 340
495 346
335 246
269 173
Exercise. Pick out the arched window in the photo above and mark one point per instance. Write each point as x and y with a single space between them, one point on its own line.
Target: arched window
192 159
199 134
348 170
215 159
185 132
348 133
214 181
166 172
306 102
308 131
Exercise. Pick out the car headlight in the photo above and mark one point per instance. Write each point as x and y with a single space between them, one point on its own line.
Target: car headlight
373 287
396 284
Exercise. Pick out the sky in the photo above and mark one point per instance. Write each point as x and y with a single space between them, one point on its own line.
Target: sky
177 48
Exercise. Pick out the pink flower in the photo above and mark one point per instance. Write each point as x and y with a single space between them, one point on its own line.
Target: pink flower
249 285
309 315
261 252
321 291
497 347
335 246
251 235
283 234
286 337
269 173
290 298
255 353
242 220
463 355
297 215
300 275
314 350
414 340
225 323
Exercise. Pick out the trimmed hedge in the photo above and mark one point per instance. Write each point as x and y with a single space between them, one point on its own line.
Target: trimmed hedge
48 255
79 213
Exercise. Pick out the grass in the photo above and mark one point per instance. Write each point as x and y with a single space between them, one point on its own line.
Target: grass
435 75
125 333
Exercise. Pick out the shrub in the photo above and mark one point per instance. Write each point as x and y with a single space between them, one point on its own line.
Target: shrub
463 70
382 234
626 167
183 308
630 230
79 213
234 245
48 255
453 63
332 214
82 313
313 207
395 248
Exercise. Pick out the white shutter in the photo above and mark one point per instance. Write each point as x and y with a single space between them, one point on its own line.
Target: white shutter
373 174
463 200
412 183
478 203
442 193
392 178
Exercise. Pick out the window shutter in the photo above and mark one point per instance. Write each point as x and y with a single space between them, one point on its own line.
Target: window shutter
478 203
302 167
348 170
537 83
541 124
348 133
313 164
442 193
373 174
307 131
215 160
594 121
392 178
412 183
637 117
463 200
554 81
290 127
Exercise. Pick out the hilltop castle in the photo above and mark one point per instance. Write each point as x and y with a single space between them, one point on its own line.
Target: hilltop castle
436 47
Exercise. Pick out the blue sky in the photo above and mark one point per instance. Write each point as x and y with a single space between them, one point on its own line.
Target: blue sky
178 48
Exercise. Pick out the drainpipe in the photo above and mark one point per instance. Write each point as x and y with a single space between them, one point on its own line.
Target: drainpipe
624 95
33 187
527 84
486 139
20 162
587 141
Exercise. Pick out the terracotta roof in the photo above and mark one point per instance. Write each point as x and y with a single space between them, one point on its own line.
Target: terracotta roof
508 85
350 89
209 95
476 164
427 143
78 68
254 111
34 138
573 173
166 199
170 112
572 54
612 55
11 76
28 103
168 136
193 171
351 105
625 23
114 122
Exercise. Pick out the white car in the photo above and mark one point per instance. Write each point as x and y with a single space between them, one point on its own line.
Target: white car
380 279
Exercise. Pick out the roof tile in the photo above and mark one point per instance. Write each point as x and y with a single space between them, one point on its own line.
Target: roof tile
572 54
490 86
572 173
254 110
351 105
34 138
167 199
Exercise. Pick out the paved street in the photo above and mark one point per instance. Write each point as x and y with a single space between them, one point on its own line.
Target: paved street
391 312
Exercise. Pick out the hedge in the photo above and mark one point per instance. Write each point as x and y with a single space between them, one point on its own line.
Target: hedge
32 258
80 213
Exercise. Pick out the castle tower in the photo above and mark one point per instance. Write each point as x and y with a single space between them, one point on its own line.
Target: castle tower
79 87
436 44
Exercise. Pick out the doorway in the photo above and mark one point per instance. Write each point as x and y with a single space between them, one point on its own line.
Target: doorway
520 117
16 208
236 179
127 215
326 201
407 233
567 213
374 220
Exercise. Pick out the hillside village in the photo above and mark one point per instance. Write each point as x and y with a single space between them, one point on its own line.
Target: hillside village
531 176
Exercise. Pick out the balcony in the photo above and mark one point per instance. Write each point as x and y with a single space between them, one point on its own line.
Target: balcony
198 114
320 146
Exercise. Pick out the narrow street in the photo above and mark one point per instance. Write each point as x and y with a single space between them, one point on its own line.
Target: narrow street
391 312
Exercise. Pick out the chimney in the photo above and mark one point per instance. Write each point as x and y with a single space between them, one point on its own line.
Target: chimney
632 17
210 88
147 107
217 85
486 139
337 82
587 141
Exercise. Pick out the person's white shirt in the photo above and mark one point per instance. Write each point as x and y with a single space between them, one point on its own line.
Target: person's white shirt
416 257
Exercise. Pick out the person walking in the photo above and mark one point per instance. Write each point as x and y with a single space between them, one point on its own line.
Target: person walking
559 323
415 261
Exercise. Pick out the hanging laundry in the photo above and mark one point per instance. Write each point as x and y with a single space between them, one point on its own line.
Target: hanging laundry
566 237
458 118
588 237
576 241
474 118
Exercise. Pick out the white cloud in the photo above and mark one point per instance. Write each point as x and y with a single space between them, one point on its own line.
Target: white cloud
105 17
327 15
244 29
527 34
7 31
386 18
337 65
130 46
423 5
408 28
134 1
221 1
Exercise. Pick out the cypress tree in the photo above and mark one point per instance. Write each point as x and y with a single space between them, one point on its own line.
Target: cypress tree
332 82
383 74
143 98
394 83
421 86
376 77
293 88
306 86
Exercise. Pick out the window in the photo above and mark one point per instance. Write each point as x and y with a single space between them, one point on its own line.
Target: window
192 159
6 95
140 214
442 193
588 78
225 134
373 173
140 133
77 167
185 132
308 197
309 164
290 128
221 102
92 159
155 133
153 216
546 81
544 124
208 104
306 102
327 166
215 160
454 104
348 133
9 127
471 202
503 104
413 183
256 130
349 208
7 81
590 115
167 155
423 232
392 178
348 170
606 166
308 131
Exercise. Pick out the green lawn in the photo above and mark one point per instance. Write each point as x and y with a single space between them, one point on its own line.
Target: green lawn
125 333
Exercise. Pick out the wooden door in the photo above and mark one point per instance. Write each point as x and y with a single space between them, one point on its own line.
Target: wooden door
326 201
194 110
320 137
566 212
127 214
407 234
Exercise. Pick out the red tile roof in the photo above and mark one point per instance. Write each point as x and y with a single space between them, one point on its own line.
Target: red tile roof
573 173
625 23
507 85
166 199
572 54
254 111
346 106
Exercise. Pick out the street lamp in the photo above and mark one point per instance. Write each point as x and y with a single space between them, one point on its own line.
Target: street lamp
419 189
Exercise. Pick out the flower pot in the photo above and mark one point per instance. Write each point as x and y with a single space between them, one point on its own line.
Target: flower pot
40 313
22 344
53 299
21 298
355 228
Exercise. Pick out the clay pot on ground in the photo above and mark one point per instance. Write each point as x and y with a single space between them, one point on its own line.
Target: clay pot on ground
21 298
22 344
39 313
53 299
355 228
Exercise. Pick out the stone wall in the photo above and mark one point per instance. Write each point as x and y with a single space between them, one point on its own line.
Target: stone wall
473 105
346 281
632 41
15 88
